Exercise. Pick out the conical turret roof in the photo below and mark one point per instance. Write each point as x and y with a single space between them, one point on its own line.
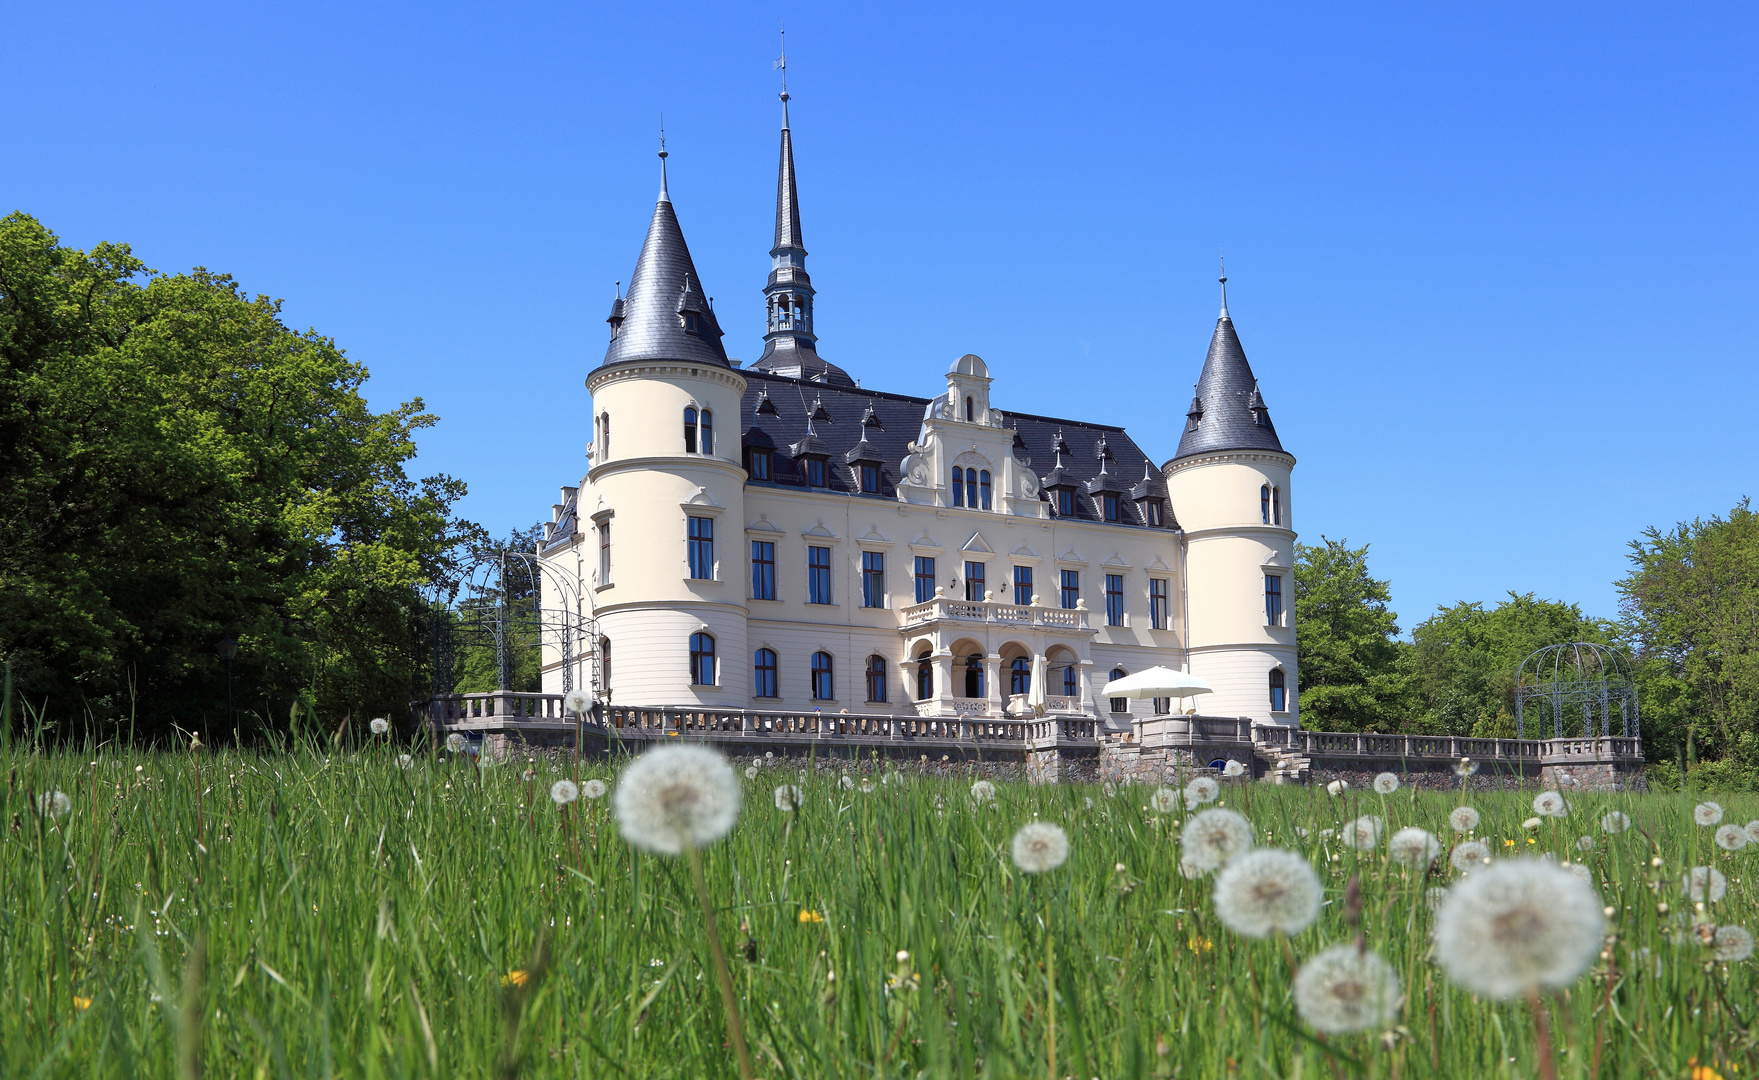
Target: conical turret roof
1227 411
665 314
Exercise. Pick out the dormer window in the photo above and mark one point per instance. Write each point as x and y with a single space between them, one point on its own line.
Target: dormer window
1151 512
1109 504
1065 503
815 472
759 468
870 479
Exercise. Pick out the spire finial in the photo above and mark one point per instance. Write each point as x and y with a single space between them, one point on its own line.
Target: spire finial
663 156
781 65
1224 281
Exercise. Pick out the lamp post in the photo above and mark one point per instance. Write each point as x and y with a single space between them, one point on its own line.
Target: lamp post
228 648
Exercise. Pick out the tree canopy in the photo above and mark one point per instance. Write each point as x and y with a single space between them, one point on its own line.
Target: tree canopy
1345 637
177 465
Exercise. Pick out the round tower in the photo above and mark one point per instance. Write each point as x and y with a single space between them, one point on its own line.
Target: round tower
664 497
1229 485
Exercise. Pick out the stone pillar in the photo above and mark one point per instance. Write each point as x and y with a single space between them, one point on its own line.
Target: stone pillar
992 683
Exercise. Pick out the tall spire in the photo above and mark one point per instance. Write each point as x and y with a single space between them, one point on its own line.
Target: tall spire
1224 281
1227 411
790 347
664 197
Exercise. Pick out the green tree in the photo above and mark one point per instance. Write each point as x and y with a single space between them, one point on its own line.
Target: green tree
1461 664
1690 606
1345 637
176 464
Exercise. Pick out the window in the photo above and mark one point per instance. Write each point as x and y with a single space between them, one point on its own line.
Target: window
1151 512
760 464
702 659
815 472
876 678
1273 600
1279 691
604 437
924 579
974 581
1264 502
1019 675
1163 706
969 411
1157 603
1022 585
1065 503
689 430
1071 591
971 488
604 553
763 673
706 429
605 665
974 676
702 547
958 486
1114 599
821 677
1109 503
924 677
873 580
1276 506
1119 704
870 479
1070 687
763 570
818 575
983 487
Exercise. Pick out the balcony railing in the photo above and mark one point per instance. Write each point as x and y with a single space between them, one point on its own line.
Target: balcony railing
996 613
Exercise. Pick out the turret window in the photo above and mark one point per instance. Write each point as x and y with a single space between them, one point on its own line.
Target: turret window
604 552
1276 506
1273 600
876 679
702 659
706 428
1279 691
822 689
763 674
970 408
702 548
1264 502
604 436
690 431
699 430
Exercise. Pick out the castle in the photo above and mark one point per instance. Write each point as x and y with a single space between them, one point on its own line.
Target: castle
777 537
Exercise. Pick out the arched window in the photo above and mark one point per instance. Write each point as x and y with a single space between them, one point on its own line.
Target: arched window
970 409
1119 704
1264 502
876 678
971 488
702 659
1276 506
763 680
604 436
958 486
706 439
604 666
1279 691
983 487
974 676
1019 675
821 677
690 431
1071 688
924 676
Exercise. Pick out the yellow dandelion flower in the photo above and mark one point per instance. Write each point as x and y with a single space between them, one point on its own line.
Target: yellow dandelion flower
516 978
809 916
1703 1072
1199 945
1508 843
1530 840
81 1003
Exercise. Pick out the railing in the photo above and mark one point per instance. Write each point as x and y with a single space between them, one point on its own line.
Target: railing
990 611
493 705
1442 747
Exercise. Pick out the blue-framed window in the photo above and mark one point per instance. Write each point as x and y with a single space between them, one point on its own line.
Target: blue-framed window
1114 599
873 579
702 659
818 575
763 674
702 547
1070 594
763 570
821 677
1022 585
924 579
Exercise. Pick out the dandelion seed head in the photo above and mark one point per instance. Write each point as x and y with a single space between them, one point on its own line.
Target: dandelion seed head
1213 837
1337 787
455 743
1414 847
982 791
563 792
1109 788
1201 789
1469 856
1615 821
1707 813
1267 891
1363 833
1732 943
789 797
1040 846
54 803
867 785
1752 830
1345 989
380 726
1088 800
1190 870
676 796
593 789
1580 871
1531 823
1704 883
1731 837
1518 925
1585 843
404 761
846 782
1550 804
1233 768
1386 783
1463 819
1164 800
577 702
1465 767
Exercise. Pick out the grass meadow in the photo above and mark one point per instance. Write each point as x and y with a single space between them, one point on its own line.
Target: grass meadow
324 914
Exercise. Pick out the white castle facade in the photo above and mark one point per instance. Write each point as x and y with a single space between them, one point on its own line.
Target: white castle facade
777 538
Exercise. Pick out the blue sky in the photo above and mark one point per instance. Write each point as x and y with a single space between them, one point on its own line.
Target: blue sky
1493 264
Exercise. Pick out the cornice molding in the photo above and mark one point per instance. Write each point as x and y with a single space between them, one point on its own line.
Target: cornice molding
637 369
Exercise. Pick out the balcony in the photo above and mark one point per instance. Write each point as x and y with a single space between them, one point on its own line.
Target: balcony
994 613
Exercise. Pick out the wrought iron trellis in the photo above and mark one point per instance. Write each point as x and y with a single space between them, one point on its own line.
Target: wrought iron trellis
1579 675
477 611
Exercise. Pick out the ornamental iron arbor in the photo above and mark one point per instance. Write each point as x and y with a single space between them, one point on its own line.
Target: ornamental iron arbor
1581 681
507 601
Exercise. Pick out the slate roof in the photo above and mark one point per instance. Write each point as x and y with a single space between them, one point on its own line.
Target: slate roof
897 419
1229 412
663 288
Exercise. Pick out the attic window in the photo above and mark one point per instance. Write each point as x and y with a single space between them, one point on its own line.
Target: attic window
1151 512
970 410
870 479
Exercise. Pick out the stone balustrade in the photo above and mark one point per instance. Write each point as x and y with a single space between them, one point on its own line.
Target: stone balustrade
996 613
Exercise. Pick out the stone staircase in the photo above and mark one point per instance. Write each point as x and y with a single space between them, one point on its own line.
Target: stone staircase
1282 766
